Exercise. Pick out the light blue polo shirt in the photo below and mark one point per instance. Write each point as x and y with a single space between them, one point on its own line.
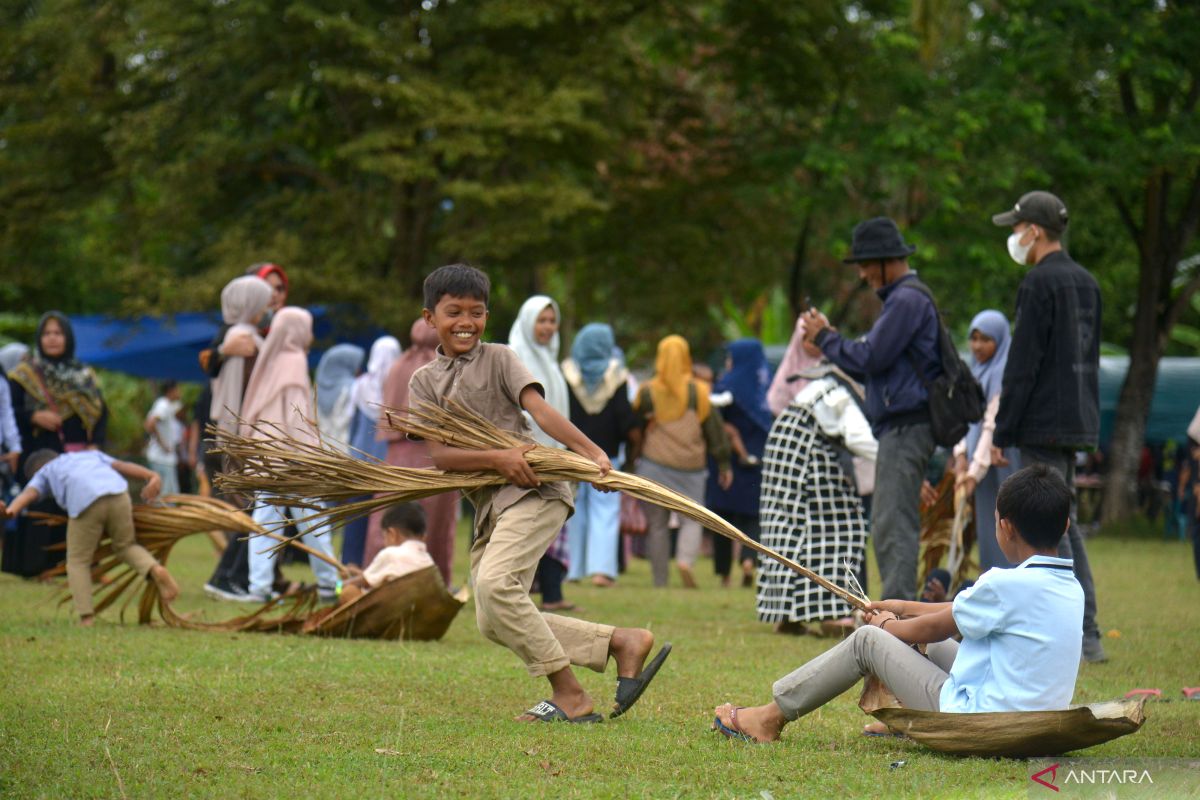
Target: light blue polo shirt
1022 634
76 480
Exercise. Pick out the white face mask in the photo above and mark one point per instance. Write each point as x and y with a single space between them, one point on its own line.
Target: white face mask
1018 251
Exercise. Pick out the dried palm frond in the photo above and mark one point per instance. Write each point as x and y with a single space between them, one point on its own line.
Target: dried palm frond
289 472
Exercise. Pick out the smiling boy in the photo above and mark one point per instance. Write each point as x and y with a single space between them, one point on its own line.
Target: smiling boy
515 523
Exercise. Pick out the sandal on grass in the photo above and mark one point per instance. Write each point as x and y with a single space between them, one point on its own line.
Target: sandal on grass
629 690
546 711
733 730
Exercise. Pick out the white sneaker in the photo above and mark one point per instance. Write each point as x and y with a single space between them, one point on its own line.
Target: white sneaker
220 593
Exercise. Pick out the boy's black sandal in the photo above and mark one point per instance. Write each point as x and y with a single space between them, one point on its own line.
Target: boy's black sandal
546 711
629 690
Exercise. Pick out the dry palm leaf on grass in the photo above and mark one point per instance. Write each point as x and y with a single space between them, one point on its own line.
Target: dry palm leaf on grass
289 472
158 528
414 606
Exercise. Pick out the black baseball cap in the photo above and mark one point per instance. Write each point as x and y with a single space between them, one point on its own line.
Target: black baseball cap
1040 208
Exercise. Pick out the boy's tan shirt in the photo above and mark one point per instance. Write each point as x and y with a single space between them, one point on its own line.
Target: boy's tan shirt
487 380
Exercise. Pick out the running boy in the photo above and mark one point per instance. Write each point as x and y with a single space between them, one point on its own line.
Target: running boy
1021 631
403 552
514 524
91 486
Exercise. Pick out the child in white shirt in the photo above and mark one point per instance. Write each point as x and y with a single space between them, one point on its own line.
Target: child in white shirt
404 552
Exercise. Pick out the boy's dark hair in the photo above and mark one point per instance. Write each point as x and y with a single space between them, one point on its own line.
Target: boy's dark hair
167 385
38 459
456 280
1037 501
409 517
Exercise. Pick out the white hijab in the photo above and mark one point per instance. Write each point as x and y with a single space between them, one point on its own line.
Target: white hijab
541 359
243 300
368 387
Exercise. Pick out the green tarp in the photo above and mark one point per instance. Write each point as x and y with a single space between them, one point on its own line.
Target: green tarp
1176 396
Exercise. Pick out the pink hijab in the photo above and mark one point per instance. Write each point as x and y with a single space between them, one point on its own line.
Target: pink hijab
279 383
421 350
780 395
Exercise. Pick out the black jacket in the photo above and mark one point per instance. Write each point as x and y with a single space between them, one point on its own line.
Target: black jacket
1051 394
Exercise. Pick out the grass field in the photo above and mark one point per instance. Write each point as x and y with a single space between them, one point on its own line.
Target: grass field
122 710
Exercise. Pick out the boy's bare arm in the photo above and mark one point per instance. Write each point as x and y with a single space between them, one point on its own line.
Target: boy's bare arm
128 469
908 608
27 496
933 627
509 463
561 429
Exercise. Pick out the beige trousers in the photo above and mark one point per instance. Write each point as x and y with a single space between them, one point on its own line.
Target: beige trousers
503 561
111 514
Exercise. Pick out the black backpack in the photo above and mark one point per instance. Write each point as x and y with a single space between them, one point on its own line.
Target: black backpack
955 398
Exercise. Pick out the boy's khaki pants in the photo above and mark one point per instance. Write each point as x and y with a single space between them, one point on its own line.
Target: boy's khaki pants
112 514
503 561
915 679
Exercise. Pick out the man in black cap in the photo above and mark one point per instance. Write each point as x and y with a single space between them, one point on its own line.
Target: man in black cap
1050 396
903 339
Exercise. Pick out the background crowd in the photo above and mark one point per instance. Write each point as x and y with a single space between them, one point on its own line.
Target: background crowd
833 446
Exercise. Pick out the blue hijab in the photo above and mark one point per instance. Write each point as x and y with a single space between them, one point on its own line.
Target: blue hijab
748 379
990 374
592 350
335 374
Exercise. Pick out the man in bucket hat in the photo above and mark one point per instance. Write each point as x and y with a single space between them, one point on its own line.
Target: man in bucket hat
903 339
1050 395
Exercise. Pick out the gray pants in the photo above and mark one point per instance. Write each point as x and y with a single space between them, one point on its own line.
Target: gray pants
915 679
896 507
1071 545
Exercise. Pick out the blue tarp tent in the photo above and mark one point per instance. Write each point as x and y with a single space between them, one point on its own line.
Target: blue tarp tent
1176 396
168 347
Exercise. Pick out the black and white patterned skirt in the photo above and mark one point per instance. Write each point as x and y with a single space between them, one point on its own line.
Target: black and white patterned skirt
808 513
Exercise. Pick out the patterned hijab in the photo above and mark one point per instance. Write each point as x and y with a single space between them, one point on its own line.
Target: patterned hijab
748 380
795 361
61 382
672 376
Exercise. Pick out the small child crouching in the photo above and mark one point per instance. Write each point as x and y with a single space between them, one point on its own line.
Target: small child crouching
91 486
403 552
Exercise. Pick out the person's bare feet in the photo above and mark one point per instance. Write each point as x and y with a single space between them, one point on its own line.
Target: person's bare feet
876 728
167 588
686 575
630 647
602 581
760 723
87 621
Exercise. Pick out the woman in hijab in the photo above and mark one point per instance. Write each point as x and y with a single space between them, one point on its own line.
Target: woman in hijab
680 433
280 392
796 360
973 468
441 510
58 406
244 303
810 504
743 387
534 338
336 371
365 397
599 402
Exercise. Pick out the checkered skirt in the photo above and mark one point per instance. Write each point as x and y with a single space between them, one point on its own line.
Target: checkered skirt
808 513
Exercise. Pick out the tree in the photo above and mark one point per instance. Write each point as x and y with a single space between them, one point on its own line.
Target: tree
1112 90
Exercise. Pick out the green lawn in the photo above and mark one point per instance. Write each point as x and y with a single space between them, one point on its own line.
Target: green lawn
122 709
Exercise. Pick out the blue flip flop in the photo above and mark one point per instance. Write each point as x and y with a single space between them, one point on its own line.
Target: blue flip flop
736 731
